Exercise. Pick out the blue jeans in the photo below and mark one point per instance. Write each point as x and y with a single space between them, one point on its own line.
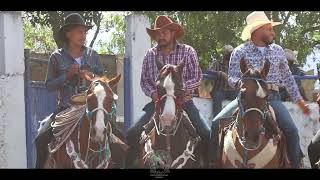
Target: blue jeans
134 132
218 96
284 120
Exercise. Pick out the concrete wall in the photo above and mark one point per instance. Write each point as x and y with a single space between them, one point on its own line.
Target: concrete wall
137 44
12 105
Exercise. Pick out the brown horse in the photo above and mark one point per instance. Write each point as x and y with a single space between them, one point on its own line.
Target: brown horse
169 139
83 133
253 140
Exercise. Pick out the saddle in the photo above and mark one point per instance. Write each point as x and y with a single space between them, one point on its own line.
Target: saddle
78 99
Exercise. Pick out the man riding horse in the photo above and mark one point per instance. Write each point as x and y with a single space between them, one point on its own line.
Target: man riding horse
259 48
66 68
167 51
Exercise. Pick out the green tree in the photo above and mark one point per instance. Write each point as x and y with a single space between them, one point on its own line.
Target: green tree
208 31
114 23
55 19
38 38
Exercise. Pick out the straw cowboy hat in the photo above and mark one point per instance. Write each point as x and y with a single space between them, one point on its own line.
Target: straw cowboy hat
254 21
71 20
291 55
165 22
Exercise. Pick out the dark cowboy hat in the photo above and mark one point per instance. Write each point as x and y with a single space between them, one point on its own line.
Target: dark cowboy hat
72 20
165 22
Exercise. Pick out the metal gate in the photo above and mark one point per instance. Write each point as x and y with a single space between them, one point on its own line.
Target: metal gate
39 104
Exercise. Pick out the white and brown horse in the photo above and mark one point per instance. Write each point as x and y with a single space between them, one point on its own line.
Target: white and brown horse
83 133
253 140
169 139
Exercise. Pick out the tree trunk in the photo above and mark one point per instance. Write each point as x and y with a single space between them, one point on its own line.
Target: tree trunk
97 21
95 35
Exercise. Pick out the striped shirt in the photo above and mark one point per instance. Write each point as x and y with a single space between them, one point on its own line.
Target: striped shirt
192 73
279 69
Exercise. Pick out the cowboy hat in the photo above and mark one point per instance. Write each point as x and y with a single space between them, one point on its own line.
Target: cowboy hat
165 22
227 49
71 20
291 55
255 20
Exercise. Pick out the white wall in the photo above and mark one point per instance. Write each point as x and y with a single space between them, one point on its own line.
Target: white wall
137 44
12 105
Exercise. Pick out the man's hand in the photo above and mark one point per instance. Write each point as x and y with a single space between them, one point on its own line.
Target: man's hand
305 109
74 69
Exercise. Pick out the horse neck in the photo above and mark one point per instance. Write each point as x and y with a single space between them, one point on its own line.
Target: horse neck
84 136
254 102
177 142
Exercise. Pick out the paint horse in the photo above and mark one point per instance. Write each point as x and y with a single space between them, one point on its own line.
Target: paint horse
169 139
83 133
254 139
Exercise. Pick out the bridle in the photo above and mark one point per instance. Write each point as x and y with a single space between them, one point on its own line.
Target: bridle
179 101
108 116
242 112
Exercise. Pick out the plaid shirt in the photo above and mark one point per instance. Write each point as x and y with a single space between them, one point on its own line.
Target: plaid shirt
60 62
191 73
219 83
279 69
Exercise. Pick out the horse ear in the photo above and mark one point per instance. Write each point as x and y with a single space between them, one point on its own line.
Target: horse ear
243 66
113 82
159 64
181 65
265 70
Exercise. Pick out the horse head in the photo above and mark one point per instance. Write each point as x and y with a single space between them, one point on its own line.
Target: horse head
101 105
252 102
170 95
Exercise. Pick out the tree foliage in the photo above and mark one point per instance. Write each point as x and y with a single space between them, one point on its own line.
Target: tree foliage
38 38
206 31
209 31
55 19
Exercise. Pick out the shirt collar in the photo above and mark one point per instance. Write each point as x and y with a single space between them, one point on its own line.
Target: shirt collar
176 47
253 47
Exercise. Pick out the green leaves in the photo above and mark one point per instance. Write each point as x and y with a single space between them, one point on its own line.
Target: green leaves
38 38
209 31
54 20
206 31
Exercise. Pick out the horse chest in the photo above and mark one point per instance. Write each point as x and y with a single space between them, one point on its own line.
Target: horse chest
232 153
